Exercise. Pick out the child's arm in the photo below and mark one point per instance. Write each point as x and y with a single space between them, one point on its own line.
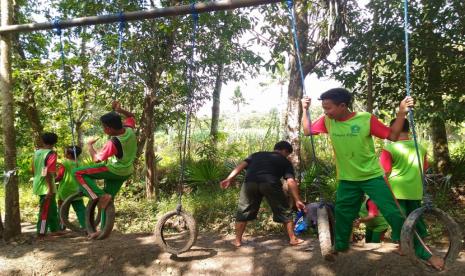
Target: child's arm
309 128
227 182
50 177
292 185
117 107
386 162
92 151
60 173
372 211
396 128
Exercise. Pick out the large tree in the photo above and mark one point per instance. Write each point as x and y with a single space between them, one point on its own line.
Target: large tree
319 26
12 215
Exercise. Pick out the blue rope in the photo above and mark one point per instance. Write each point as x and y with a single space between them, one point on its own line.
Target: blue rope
122 21
290 6
190 68
426 198
59 33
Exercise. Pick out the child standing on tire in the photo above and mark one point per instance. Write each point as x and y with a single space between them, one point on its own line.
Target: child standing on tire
44 169
118 155
68 186
358 168
263 179
400 163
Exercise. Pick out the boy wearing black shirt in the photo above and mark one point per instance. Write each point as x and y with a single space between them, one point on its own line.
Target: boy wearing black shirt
263 179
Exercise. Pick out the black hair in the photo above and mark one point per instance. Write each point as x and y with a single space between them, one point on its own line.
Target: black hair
338 96
49 138
283 145
405 127
70 150
112 120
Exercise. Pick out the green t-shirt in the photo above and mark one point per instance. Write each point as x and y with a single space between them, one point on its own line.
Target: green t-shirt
39 184
405 177
68 184
123 163
378 224
354 148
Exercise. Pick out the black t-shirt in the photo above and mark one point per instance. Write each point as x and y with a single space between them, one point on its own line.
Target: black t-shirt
268 167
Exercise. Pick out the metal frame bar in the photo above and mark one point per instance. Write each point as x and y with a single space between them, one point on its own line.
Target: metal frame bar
136 15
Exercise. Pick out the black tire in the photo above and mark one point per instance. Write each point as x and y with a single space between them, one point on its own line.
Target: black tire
408 232
325 221
92 224
191 225
64 213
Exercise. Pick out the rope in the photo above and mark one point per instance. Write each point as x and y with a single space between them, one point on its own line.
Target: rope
290 7
58 31
426 198
122 21
190 68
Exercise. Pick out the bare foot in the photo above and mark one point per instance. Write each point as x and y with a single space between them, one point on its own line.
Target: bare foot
296 241
436 262
103 201
93 235
236 243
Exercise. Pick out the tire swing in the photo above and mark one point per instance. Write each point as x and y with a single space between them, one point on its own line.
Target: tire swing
408 232
72 224
324 212
176 231
93 219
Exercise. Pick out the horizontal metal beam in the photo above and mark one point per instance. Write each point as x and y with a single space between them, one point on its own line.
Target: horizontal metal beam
136 15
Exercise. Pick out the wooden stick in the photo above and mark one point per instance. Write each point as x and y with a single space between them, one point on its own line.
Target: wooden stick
136 15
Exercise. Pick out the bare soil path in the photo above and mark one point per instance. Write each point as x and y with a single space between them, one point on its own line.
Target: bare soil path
137 254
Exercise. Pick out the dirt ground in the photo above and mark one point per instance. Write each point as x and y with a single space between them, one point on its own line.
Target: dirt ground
137 254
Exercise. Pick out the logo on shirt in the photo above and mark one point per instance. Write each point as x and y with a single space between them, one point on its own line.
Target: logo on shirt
355 129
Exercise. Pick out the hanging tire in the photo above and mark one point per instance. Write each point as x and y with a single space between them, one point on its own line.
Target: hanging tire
408 232
325 220
92 221
189 223
64 213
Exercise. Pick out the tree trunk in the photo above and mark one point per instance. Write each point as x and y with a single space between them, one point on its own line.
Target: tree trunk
12 214
369 102
440 145
216 102
293 115
150 167
28 108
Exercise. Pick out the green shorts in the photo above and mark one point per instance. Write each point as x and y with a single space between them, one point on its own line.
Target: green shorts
251 196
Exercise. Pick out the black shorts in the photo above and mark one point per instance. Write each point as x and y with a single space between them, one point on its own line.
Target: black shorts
251 196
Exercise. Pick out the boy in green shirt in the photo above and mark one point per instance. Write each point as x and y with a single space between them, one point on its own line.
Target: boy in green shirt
358 168
400 164
375 224
67 184
43 169
119 153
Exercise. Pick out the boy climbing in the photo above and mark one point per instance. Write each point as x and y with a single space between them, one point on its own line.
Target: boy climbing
400 164
263 179
119 152
358 168
68 185
43 169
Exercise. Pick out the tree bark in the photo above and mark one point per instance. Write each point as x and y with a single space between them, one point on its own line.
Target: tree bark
216 101
150 165
12 213
440 145
28 107
369 107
